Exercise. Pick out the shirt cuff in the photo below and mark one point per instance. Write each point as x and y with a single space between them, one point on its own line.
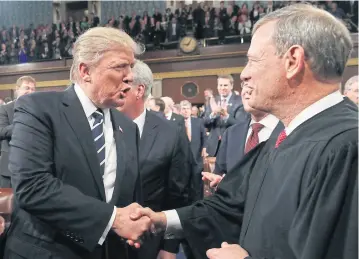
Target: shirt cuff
212 116
107 229
225 118
174 228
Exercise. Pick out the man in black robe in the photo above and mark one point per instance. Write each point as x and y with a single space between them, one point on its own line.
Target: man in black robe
295 196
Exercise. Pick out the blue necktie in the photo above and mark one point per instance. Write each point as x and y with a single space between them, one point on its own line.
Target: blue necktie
99 138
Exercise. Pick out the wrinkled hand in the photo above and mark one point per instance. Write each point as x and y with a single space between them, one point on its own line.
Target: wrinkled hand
130 229
213 179
227 252
158 220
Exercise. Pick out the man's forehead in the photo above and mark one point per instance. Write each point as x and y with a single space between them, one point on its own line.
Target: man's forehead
27 83
261 39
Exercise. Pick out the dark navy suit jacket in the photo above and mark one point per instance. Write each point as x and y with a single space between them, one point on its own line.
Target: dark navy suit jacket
232 147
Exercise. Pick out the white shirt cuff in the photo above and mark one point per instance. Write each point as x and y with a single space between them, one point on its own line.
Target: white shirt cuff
107 229
226 118
174 228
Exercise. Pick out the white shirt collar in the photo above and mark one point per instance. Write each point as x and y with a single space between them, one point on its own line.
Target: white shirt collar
86 103
269 121
140 121
168 115
312 110
227 97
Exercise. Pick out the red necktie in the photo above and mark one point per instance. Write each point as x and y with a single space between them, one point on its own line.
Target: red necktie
282 136
253 139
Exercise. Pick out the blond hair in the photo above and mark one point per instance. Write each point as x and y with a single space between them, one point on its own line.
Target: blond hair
91 45
185 103
22 79
225 76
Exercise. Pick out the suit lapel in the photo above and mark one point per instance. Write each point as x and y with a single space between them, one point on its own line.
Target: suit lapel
119 189
243 141
148 137
76 117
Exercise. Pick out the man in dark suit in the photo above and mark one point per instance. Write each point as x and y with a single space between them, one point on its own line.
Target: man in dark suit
74 160
170 115
240 138
24 85
173 30
224 111
196 134
164 158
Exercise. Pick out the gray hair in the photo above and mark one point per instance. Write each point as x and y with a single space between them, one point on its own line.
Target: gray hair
142 74
325 39
350 82
91 45
185 103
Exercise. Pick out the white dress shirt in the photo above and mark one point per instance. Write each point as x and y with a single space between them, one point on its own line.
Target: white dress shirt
269 122
109 176
174 227
168 115
188 124
140 121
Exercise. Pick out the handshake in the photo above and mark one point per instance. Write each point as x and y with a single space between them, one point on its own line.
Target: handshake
134 223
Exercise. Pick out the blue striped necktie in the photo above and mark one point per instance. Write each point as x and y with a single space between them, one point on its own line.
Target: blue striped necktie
99 138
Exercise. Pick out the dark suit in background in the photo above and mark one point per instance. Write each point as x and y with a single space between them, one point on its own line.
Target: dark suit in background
176 119
198 138
233 144
217 125
60 208
169 32
6 118
165 167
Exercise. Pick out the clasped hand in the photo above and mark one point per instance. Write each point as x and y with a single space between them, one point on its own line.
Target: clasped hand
134 223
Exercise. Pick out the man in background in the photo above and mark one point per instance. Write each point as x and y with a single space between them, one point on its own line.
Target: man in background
157 105
197 136
351 89
241 138
169 114
194 111
24 85
165 158
222 112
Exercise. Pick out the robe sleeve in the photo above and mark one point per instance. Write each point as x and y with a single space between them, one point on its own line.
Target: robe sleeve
218 218
326 222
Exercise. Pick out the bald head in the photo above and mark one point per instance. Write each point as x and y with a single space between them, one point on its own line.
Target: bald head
351 89
168 104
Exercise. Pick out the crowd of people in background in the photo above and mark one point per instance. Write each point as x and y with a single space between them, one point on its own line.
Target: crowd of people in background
55 41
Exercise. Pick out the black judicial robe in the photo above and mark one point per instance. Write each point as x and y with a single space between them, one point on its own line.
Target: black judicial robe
298 201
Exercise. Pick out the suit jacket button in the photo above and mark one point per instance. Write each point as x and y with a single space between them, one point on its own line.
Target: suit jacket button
81 241
76 240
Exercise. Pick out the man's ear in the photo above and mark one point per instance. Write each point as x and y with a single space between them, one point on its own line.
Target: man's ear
140 91
84 72
294 61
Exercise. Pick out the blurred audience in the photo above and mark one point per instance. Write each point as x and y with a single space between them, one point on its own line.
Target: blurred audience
55 41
